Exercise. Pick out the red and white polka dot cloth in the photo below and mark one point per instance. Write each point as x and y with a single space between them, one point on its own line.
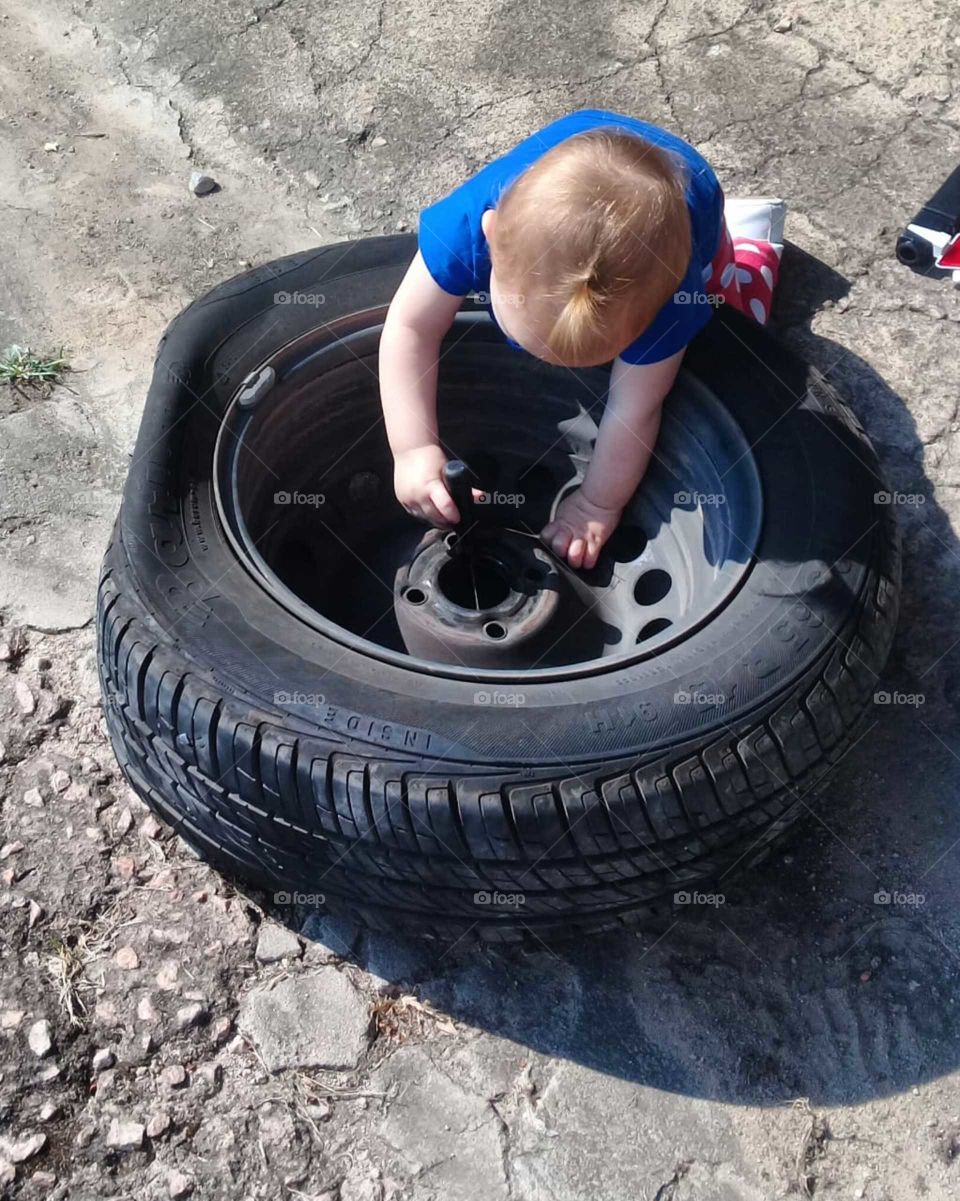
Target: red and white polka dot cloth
744 272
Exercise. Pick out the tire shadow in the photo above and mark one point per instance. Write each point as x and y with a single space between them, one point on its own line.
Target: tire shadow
828 972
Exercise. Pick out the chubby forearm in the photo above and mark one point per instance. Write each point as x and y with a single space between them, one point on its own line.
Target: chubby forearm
408 386
418 317
629 429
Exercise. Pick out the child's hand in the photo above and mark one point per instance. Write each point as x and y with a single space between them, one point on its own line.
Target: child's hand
579 529
418 483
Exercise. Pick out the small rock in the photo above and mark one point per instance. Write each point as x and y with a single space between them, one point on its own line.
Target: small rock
8 1173
40 1039
10 1019
123 823
59 781
125 1136
378 141
103 1059
188 1016
127 958
221 1030
146 1010
317 1020
173 1076
179 1184
201 184
158 1124
35 913
3 752
311 179
210 1075
51 147
34 798
126 866
48 1111
784 25
21 1150
401 226
150 827
85 1135
48 1074
10 848
43 1181
277 942
25 698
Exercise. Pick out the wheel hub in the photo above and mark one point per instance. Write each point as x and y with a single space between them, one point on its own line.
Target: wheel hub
487 601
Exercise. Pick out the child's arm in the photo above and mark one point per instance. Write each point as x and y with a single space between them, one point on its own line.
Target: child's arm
587 517
419 315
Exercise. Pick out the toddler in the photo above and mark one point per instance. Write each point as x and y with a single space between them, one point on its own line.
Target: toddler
599 239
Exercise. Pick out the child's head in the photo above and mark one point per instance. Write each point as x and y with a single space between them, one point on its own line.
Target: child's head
587 245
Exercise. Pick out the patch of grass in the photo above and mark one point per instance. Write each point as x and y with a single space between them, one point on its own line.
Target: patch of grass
20 365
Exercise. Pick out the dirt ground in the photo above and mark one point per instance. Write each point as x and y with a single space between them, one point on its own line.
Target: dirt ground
165 1036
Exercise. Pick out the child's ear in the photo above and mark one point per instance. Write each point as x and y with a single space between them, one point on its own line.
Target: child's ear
487 222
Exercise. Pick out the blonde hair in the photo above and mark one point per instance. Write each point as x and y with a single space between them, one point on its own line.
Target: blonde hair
597 234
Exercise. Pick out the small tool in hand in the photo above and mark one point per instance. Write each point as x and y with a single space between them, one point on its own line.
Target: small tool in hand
458 480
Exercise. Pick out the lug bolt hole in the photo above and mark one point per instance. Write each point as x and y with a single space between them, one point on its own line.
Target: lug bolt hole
494 630
414 596
652 587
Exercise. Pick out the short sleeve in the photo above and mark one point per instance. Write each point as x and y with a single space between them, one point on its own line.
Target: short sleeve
447 243
683 316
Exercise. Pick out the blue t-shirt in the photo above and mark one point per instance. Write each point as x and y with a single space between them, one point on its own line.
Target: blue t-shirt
457 256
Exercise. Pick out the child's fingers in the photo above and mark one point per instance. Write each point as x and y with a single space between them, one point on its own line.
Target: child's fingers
439 500
575 552
557 536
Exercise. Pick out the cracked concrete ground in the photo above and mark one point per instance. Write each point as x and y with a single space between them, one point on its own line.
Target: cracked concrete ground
802 1039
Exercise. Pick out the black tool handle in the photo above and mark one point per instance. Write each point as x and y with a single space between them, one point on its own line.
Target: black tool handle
457 478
